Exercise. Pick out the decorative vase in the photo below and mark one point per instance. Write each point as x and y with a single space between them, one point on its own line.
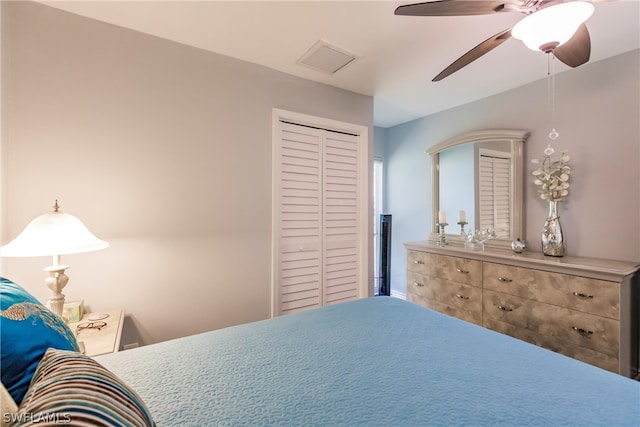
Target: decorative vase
552 236
518 246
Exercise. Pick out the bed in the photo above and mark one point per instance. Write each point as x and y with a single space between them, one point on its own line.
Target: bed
377 361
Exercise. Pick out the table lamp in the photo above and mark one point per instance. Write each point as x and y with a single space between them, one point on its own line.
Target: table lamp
53 234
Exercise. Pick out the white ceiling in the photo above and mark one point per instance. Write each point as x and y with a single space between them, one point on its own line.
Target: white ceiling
399 55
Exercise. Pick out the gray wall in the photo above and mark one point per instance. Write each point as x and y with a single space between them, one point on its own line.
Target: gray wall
161 149
379 142
457 171
597 111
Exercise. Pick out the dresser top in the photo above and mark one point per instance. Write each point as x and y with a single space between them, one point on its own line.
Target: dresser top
595 268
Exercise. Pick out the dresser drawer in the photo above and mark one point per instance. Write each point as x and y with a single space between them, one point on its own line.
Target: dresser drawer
468 316
459 270
417 262
465 297
586 330
587 355
456 269
593 296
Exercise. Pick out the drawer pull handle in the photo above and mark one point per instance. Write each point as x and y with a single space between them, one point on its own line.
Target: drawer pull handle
459 270
462 296
581 331
504 308
581 295
505 279
417 261
417 284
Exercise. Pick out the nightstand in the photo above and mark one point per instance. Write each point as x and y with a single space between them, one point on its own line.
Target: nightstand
100 341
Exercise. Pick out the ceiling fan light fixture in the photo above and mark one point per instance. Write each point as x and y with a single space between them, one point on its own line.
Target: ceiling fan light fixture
552 26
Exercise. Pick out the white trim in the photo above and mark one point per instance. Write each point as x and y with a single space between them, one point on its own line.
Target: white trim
495 153
364 220
378 209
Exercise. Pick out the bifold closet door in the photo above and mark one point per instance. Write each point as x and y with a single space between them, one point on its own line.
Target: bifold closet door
299 210
340 214
494 194
316 217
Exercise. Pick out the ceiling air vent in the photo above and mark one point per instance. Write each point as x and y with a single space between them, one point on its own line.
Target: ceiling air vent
326 58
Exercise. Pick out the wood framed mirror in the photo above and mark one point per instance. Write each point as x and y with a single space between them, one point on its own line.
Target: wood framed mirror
480 173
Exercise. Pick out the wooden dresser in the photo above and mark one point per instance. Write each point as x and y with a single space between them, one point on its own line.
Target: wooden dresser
584 308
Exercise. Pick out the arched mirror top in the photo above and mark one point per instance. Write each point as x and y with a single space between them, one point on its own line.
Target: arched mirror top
479 136
479 176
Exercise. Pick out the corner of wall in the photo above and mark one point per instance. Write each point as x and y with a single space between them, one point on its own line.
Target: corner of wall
3 154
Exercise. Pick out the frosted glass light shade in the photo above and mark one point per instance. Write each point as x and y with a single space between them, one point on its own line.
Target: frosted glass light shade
53 233
553 25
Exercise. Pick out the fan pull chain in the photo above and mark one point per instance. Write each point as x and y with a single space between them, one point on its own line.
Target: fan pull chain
551 89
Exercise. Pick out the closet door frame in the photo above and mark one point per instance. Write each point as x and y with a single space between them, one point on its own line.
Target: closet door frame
363 199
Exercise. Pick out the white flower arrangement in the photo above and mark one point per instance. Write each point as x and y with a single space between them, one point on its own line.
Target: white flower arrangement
552 176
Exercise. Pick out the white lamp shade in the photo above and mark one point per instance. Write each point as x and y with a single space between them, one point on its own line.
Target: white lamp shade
53 233
554 24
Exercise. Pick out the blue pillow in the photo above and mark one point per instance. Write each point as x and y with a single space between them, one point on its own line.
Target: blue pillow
27 330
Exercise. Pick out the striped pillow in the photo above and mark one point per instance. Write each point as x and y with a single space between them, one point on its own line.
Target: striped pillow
74 389
7 405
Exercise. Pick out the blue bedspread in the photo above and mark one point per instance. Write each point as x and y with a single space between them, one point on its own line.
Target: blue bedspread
375 362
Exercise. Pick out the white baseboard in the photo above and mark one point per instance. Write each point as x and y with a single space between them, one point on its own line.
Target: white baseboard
397 294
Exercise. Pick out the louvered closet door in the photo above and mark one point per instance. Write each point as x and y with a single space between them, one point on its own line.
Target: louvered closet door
317 232
494 195
340 210
300 222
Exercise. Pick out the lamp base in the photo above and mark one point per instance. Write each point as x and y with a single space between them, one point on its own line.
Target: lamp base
56 281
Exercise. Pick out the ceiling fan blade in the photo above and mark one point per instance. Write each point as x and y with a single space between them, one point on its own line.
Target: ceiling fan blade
475 53
577 50
453 7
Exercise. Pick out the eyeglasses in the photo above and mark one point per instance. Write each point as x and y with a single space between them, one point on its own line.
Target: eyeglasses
90 325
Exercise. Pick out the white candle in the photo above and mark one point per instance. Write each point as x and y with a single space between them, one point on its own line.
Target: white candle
463 216
442 217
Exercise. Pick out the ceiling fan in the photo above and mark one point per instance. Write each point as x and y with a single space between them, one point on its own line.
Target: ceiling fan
551 26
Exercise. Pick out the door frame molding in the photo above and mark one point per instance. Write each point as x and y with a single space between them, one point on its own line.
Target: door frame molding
363 199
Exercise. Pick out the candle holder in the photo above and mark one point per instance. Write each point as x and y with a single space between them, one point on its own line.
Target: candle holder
463 234
442 240
483 235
